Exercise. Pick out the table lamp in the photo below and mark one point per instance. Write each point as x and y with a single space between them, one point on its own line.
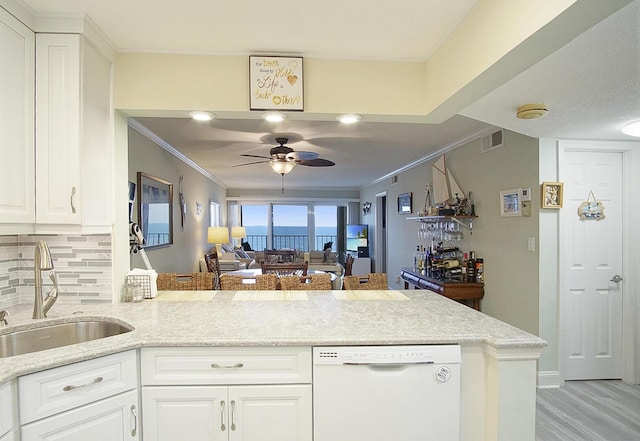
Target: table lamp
218 236
238 233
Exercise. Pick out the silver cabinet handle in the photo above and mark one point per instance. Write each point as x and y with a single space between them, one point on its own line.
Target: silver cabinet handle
222 426
616 279
134 414
72 387
73 200
232 366
233 415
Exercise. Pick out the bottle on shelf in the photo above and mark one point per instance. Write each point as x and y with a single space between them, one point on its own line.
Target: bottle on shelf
416 257
479 267
471 267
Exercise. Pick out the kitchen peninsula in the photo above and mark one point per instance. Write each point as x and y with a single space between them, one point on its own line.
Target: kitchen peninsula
498 367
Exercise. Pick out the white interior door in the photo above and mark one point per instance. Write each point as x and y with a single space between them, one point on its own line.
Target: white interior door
590 303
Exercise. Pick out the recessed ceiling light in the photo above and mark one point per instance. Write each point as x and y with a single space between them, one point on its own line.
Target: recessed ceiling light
532 111
349 118
274 116
632 129
200 115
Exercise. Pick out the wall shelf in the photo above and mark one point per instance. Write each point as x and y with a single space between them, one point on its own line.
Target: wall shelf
465 221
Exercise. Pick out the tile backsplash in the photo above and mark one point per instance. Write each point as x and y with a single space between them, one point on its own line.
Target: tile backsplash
82 263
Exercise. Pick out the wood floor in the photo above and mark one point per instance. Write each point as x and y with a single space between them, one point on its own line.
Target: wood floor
589 411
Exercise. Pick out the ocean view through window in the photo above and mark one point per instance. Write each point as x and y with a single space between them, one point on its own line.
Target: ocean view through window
300 227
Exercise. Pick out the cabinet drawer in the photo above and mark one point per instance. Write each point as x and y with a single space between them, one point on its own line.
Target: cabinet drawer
258 365
56 390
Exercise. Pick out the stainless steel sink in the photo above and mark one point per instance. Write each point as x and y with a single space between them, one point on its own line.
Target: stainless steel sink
56 335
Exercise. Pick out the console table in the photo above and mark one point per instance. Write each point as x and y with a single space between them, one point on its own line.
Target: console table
468 293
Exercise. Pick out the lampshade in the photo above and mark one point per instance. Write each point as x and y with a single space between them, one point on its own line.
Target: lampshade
218 235
282 167
238 232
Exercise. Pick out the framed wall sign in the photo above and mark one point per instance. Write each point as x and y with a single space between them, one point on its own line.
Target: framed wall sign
404 203
275 83
510 202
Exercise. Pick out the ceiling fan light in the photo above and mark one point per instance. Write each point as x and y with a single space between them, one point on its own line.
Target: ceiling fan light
282 167
632 129
349 118
274 116
200 115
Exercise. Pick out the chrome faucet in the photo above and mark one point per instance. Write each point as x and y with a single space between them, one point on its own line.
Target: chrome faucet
43 261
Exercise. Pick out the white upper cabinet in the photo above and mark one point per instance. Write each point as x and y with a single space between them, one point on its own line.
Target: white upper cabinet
74 133
58 198
16 122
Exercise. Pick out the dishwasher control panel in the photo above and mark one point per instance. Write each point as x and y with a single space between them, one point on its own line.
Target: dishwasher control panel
414 354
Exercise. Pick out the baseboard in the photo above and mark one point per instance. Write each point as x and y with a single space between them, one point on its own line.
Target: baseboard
549 379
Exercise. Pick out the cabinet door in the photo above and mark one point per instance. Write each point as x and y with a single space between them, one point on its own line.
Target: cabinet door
112 419
196 413
17 176
58 129
270 413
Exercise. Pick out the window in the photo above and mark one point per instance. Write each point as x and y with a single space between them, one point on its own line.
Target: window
302 227
290 227
214 214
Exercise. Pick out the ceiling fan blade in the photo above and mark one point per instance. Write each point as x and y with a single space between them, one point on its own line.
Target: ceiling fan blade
256 156
251 163
317 162
302 156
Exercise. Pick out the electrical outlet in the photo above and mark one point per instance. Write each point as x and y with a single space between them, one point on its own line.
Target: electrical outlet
531 244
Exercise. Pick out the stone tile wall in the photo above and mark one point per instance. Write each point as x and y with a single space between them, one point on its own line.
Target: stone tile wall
82 263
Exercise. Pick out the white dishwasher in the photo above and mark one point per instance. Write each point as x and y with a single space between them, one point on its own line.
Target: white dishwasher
386 393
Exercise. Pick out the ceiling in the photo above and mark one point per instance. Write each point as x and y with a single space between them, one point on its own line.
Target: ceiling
591 85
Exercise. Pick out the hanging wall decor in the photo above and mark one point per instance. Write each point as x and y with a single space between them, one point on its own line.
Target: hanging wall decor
551 195
591 209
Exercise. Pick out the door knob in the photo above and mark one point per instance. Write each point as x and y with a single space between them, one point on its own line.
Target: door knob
616 279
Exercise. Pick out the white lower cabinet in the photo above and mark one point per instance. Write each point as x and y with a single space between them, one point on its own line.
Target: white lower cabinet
93 400
247 394
220 413
112 419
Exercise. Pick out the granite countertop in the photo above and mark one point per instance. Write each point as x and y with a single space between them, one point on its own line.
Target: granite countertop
213 318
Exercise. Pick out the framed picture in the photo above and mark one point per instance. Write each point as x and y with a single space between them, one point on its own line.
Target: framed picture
275 83
551 195
155 210
510 202
404 203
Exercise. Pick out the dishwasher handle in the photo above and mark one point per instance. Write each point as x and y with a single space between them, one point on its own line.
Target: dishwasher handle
374 364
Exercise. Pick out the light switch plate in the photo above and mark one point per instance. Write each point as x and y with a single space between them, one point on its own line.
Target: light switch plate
531 244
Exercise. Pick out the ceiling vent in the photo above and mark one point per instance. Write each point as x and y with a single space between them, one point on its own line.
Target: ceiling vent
492 141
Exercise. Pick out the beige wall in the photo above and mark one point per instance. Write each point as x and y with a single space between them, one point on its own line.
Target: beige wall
190 244
511 272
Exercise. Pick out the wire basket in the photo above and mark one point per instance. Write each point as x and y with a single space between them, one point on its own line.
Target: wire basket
144 280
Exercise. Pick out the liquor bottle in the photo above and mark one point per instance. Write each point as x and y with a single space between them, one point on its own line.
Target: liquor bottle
471 267
479 270
416 257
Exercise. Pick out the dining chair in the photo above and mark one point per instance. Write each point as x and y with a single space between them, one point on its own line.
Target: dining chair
348 265
371 281
313 282
279 256
285 269
237 282
213 265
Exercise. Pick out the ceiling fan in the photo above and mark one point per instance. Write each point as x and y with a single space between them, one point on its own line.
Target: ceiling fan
283 158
